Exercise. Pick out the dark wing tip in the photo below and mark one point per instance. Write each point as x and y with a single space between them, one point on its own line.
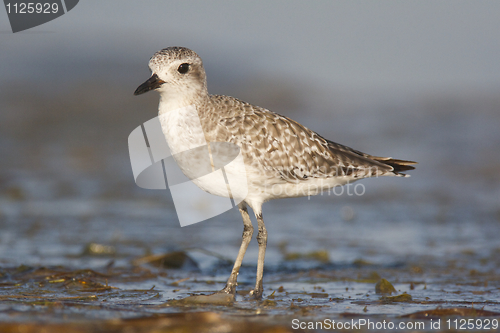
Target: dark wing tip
398 165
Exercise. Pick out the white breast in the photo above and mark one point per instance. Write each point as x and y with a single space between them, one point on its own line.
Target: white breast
185 137
182 128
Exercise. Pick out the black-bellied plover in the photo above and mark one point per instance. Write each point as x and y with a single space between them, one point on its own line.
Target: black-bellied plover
282 158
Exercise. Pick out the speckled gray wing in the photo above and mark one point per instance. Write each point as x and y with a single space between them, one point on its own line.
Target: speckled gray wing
275 143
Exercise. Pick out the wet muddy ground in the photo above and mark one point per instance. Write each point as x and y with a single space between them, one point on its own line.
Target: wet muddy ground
82 249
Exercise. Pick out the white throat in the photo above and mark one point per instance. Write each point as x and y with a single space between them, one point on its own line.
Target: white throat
171 102
181 127
173 97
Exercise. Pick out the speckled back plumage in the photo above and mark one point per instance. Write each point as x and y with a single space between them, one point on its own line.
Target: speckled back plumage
282 145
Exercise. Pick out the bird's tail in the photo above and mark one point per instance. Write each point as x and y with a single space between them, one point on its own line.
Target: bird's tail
398 165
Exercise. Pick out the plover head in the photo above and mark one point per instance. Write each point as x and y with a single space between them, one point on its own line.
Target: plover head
176 72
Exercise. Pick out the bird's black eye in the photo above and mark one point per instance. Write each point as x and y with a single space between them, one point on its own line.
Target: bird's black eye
183 68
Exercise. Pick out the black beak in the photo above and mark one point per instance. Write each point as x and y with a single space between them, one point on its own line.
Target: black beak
152 83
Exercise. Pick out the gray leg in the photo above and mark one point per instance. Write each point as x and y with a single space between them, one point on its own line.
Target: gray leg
262 240
230 287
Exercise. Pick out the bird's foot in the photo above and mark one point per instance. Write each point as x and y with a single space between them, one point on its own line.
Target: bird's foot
229 289
222 297
256 293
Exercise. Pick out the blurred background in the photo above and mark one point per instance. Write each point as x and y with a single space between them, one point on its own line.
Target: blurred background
411 80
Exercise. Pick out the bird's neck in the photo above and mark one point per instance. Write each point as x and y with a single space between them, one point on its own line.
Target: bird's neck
170 101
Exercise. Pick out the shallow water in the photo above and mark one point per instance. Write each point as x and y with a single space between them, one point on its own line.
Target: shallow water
73 223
